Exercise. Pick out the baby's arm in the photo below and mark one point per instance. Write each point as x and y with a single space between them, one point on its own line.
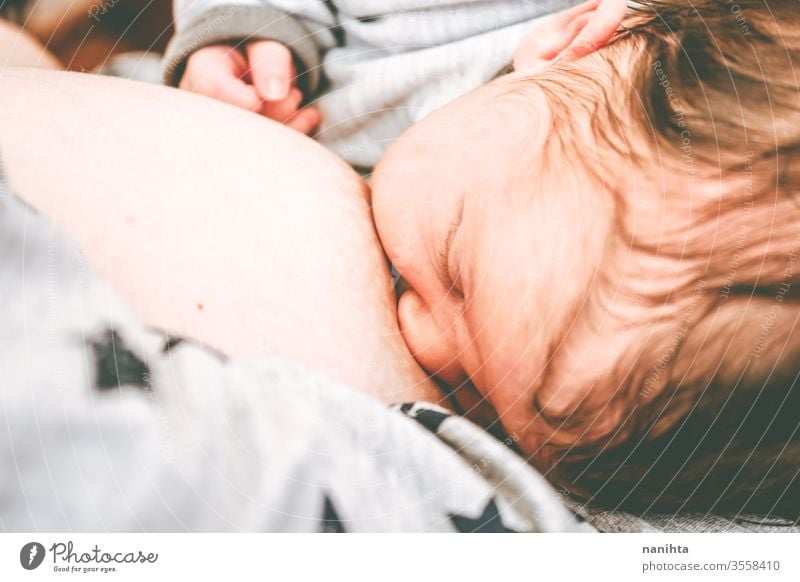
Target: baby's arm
249 54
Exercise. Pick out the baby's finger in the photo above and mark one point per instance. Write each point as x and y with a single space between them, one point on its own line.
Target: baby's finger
271 69
305 121
218 72
284 109
236 92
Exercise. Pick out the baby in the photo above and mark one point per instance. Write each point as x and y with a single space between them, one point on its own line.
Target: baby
370 68
601 250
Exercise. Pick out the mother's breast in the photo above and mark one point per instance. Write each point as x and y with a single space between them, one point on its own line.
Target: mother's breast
214 223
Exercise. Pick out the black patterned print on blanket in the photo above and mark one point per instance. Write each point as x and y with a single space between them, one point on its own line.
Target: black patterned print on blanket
170 343
330 523
489 521
430 419
116 365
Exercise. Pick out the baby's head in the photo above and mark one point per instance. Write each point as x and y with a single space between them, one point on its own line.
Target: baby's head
603 245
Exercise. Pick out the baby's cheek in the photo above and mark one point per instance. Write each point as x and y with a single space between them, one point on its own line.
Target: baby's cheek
401 256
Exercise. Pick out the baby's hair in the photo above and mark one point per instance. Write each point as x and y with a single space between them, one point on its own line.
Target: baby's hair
709 406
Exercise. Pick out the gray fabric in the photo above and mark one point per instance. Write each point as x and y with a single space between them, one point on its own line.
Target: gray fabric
387 63
622 522
225 23
510 477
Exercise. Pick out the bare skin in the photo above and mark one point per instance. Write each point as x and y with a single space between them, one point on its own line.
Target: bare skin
214 223
19 49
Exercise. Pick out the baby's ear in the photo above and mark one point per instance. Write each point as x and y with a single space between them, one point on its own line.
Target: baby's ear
432 343
570 35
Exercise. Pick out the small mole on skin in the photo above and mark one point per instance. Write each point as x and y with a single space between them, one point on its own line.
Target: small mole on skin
200 306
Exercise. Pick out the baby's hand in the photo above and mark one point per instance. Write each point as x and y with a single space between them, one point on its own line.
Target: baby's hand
262 82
